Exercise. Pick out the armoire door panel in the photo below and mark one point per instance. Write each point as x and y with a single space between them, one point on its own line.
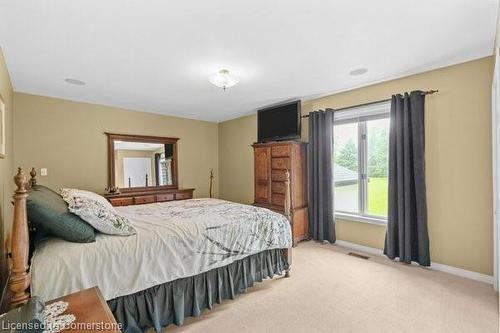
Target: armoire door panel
262 194
262 158
262 161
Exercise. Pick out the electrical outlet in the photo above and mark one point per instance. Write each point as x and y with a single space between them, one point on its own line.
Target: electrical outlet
43 172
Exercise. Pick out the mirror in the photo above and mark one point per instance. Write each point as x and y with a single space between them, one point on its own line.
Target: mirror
140 162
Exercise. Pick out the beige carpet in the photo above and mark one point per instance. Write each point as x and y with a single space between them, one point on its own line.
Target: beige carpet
330 291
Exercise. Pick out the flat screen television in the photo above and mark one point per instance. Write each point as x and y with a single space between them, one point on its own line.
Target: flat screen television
279 123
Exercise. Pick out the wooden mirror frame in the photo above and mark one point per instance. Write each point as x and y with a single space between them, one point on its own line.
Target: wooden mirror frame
140 138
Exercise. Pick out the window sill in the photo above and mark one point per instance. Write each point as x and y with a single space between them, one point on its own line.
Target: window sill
361 218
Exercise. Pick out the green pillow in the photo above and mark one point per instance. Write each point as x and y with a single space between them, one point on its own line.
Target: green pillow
48 210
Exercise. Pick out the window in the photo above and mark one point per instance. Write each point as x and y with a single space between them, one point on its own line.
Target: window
361 149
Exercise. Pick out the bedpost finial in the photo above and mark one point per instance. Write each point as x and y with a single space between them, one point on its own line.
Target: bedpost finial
33 177
20 180
211 182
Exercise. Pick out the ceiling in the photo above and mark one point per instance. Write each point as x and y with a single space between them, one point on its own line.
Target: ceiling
156 56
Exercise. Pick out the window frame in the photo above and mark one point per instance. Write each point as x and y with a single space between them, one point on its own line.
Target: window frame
360 116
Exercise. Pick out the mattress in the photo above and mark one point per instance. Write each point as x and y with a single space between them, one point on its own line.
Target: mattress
174 240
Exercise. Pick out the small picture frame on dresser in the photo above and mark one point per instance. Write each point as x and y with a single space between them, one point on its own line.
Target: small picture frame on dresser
2 127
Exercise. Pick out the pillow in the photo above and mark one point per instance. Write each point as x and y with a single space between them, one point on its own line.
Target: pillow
97 211
48 211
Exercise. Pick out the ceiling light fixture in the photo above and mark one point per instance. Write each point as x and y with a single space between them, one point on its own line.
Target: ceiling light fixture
76 82
223 79
358 71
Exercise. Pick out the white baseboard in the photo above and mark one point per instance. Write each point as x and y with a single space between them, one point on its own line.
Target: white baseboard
362 248
435 266
462 272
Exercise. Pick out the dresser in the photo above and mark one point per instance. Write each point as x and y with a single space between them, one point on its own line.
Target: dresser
271 160
143 197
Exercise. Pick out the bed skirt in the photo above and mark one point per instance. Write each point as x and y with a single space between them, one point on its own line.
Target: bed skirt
171 302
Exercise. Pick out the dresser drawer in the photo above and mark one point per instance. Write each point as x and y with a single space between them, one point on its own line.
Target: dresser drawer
278 199
280 163
278 187
121 201
144 199
278 175
165 197
280 151
183 195
150 196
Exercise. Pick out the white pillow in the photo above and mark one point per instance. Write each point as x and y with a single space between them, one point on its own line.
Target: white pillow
97 211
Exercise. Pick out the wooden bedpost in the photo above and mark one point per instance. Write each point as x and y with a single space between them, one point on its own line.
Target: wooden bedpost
288 214
33 177
211 182
19 281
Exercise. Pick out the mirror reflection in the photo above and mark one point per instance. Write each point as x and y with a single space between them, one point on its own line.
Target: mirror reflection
142 164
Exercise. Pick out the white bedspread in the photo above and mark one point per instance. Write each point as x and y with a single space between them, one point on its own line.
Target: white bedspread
174 240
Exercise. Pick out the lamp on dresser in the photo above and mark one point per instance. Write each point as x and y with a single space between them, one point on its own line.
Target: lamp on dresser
271 161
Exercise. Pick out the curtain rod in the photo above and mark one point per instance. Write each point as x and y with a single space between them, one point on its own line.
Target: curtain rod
428 92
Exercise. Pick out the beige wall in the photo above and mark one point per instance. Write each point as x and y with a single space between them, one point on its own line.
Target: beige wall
458 158
6 164
68 138
236 159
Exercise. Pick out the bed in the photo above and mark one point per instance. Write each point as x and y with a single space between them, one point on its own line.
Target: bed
185 257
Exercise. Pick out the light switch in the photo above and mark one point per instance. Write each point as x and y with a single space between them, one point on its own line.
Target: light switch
43 172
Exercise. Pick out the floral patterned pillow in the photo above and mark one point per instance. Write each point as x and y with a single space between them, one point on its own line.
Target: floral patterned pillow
97 211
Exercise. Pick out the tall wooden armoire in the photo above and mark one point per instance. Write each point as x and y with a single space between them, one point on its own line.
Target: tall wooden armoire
271 162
